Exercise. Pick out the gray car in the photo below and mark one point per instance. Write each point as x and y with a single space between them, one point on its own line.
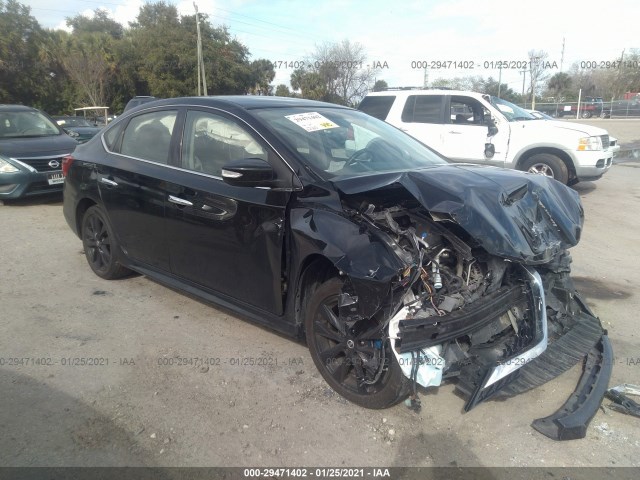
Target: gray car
32 147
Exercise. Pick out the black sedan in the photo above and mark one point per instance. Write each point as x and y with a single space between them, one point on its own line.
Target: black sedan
79 128
400 270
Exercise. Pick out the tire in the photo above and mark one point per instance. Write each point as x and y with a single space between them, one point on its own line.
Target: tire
100 245
337 355
586 114
548 165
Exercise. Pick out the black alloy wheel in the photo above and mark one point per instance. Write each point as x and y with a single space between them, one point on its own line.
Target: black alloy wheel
355 360
100 245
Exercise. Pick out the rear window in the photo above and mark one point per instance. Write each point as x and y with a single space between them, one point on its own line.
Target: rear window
377 106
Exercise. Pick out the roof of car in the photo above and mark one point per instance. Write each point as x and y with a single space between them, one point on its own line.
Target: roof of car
247 102
15 108
427 91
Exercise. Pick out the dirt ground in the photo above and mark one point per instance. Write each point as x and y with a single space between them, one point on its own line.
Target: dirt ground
98 373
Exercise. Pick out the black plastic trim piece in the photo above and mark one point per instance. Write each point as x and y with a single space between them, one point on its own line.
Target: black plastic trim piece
570 422
425 332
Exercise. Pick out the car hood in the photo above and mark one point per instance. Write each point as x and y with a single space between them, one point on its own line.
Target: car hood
37 146
524 217
84 130
550 125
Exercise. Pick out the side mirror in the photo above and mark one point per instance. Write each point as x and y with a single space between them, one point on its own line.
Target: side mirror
248 172
491 125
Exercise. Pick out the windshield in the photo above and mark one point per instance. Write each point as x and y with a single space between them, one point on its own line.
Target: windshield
26 123
513 112
339 142
73 122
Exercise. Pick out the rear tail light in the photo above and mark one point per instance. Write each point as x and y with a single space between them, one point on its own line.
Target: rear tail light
66 164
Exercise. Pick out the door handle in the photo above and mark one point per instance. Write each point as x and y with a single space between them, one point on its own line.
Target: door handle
180 201
108 182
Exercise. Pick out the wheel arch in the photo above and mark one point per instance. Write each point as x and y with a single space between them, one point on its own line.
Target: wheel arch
314 271
82 206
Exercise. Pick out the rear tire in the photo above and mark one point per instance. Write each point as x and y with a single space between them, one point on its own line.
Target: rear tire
586 114
100 245
348 359
548 165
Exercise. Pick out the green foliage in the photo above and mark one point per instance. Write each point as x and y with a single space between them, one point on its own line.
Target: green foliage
102 62
283 91
479 84
380 85
100 23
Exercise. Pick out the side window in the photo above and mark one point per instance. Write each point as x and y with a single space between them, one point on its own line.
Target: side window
111 136
211 141
466 111
422 109
148 136
377 106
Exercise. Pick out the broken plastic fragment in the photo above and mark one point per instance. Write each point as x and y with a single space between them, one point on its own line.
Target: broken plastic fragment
621 403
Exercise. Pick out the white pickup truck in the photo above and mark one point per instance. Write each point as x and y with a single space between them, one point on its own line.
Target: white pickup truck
477 128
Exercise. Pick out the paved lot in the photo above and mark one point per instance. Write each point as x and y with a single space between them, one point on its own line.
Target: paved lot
139 404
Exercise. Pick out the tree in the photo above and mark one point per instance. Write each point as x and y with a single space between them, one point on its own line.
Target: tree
490 86
262 74
99 23
89 63
472 83
336 73
283 91
380 86
558 86
537 72
20 70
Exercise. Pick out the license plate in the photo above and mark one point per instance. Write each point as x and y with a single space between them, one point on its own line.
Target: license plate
55 178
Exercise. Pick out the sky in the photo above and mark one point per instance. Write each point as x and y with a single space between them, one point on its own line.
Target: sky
402 36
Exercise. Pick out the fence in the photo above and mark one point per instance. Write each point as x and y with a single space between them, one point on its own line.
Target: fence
615 109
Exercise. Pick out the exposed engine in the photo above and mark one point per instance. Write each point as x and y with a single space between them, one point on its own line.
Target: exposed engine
444 275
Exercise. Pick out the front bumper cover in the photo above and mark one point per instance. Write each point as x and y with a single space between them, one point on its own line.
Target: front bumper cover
542 362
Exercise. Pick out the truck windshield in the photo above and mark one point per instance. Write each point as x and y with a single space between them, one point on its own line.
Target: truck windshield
512 112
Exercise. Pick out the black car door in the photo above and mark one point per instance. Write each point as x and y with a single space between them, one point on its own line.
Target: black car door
133 186
225 238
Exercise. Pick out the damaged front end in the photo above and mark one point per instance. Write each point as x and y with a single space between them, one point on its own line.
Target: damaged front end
482 294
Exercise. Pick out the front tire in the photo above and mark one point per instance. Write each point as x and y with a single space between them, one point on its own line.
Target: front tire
548 165
356 361
100 245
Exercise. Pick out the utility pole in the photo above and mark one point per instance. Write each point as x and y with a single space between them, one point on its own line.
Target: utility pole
425 82
201 72
524 76
499 80
562 55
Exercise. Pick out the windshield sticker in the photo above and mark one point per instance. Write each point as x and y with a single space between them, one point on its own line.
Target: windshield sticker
505 108
312 121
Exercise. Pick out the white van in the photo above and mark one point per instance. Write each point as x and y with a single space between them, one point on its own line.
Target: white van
462 126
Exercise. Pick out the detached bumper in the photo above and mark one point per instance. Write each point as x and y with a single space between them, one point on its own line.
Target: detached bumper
571 420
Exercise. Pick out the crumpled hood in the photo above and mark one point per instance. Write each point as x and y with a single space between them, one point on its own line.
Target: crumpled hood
524 217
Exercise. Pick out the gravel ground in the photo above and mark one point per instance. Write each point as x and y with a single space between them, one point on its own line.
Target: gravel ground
258 399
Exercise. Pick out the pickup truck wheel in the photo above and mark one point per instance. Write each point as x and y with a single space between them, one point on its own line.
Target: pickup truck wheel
355 359
548 165
586 114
